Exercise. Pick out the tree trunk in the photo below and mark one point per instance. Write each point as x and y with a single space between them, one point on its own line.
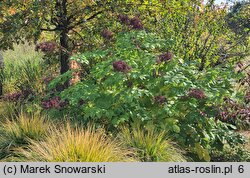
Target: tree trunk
64 56
202 65
1 68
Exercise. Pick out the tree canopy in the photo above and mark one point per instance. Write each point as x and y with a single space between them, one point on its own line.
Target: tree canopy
27 19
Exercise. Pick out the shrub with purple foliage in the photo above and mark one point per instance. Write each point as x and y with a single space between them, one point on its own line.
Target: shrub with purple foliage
18 96
55 102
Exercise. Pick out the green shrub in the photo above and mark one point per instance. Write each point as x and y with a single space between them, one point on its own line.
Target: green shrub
76 145
237 154
140 79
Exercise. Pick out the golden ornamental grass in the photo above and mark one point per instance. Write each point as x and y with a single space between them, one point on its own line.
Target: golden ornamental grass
17 132
77 145
150 145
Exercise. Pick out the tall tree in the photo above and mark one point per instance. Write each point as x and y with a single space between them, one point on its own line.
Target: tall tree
1 68
22 20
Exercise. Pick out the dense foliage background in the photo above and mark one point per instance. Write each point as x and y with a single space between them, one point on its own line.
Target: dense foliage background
116 75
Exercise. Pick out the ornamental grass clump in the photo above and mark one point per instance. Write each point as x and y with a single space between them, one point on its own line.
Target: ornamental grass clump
15 133
76 145
150 145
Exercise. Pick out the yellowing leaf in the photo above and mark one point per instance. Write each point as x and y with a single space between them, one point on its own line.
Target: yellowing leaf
11 11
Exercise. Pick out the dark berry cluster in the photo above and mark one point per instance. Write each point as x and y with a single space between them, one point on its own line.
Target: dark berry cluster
46 47
121 66
160 99
164 57
124 19
134 22
196 93
107 34
55 102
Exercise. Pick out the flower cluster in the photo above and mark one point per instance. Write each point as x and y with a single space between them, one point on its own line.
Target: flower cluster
160 99
46 47
107 34
196 93
124 19
121 66
134 22
165 57
55 102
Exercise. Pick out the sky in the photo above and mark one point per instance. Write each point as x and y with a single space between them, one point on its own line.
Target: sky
220 1
224 1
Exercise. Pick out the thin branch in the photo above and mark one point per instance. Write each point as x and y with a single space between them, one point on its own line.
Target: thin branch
238 42
84 20
245 67
48 29
76 14
78 34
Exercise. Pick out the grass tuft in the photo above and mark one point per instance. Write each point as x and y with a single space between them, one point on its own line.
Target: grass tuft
18 132
76 145
22 69
150 146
